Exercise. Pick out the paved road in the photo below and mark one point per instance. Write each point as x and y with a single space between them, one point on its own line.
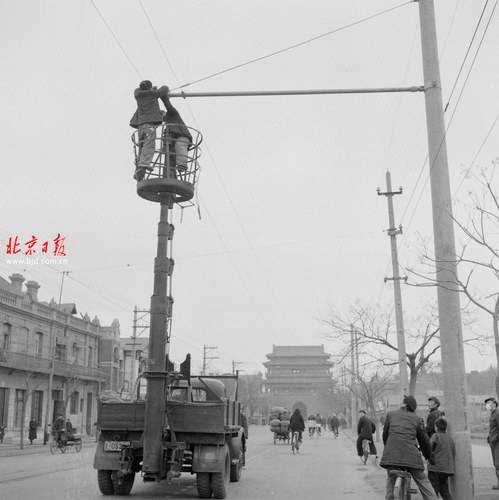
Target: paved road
326 468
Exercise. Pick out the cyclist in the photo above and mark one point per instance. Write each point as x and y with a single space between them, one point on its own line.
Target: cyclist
297 424
365 430
402 432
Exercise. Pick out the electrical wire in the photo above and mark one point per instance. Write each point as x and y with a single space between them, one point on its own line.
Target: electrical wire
294 46
116 39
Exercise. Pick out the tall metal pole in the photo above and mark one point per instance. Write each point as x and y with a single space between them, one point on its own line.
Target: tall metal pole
399 317
132 367
451 335
155 398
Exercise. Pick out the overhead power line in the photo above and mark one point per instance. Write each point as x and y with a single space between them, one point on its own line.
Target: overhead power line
295 45
116 39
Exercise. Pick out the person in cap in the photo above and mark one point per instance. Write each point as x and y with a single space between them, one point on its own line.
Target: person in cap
493 437
146 118
444 452
403 432
433 414
365 430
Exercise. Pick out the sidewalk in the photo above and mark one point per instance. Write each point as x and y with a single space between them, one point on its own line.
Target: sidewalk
13 450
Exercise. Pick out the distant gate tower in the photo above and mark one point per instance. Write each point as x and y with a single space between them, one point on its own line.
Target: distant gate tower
168 181
300 377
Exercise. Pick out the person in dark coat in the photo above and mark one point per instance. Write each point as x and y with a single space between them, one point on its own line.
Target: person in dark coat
433 415
402 433
32 431
177 134
365 430
444 453
335 424
297 424
146 118
493 437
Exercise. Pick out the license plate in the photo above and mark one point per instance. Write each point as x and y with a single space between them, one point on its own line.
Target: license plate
115 445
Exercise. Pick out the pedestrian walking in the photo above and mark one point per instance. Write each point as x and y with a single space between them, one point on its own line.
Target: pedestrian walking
493 437
444 453
2 433
365 430
146 119
335 424
404 436
32 431
433 415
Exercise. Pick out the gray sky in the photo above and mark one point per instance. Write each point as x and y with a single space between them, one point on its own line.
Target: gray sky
291 223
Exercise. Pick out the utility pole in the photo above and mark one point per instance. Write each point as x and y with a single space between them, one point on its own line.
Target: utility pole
449 311
48 407
134 343
234 364
357 371
206 349
399 317
353 399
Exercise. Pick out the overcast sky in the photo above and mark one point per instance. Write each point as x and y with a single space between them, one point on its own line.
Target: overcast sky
291 224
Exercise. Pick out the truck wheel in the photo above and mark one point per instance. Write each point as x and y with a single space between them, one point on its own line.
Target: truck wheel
235 469
123 485
220 480
105 483
203 482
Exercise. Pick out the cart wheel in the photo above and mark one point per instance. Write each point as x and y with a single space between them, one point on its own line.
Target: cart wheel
53 447
62 447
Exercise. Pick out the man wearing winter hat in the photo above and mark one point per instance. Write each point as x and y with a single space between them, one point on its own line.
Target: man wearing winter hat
433 414
402 432
493 437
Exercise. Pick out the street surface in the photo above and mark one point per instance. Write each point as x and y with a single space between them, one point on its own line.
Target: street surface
326 468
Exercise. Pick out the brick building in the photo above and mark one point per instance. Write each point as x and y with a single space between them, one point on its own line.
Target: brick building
300 377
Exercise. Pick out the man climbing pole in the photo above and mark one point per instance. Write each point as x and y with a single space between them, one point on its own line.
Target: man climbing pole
146 118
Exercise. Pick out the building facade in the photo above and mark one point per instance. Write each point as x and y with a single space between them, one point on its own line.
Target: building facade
300 377
51 361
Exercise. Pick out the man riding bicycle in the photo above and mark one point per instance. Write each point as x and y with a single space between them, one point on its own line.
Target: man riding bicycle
365 430
402 433
297 424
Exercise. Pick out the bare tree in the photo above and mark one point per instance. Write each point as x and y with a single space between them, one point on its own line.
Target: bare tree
479 255
376 339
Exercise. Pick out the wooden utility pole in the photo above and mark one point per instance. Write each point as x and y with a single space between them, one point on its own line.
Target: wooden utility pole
399 317
449 311
353 400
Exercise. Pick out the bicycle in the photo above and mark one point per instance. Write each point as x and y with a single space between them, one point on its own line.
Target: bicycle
295 442
401 489
365 450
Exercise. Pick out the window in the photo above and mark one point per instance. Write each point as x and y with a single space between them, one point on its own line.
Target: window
81 405
36 407
90 354
73 404
116 355
18 407
6 336
60 352
38 344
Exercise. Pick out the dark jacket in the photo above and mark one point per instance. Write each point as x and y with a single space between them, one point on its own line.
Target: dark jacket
444 453
335 422
148 107
365 428
32 430
493 437
176 126
296 422
430 421
402 433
